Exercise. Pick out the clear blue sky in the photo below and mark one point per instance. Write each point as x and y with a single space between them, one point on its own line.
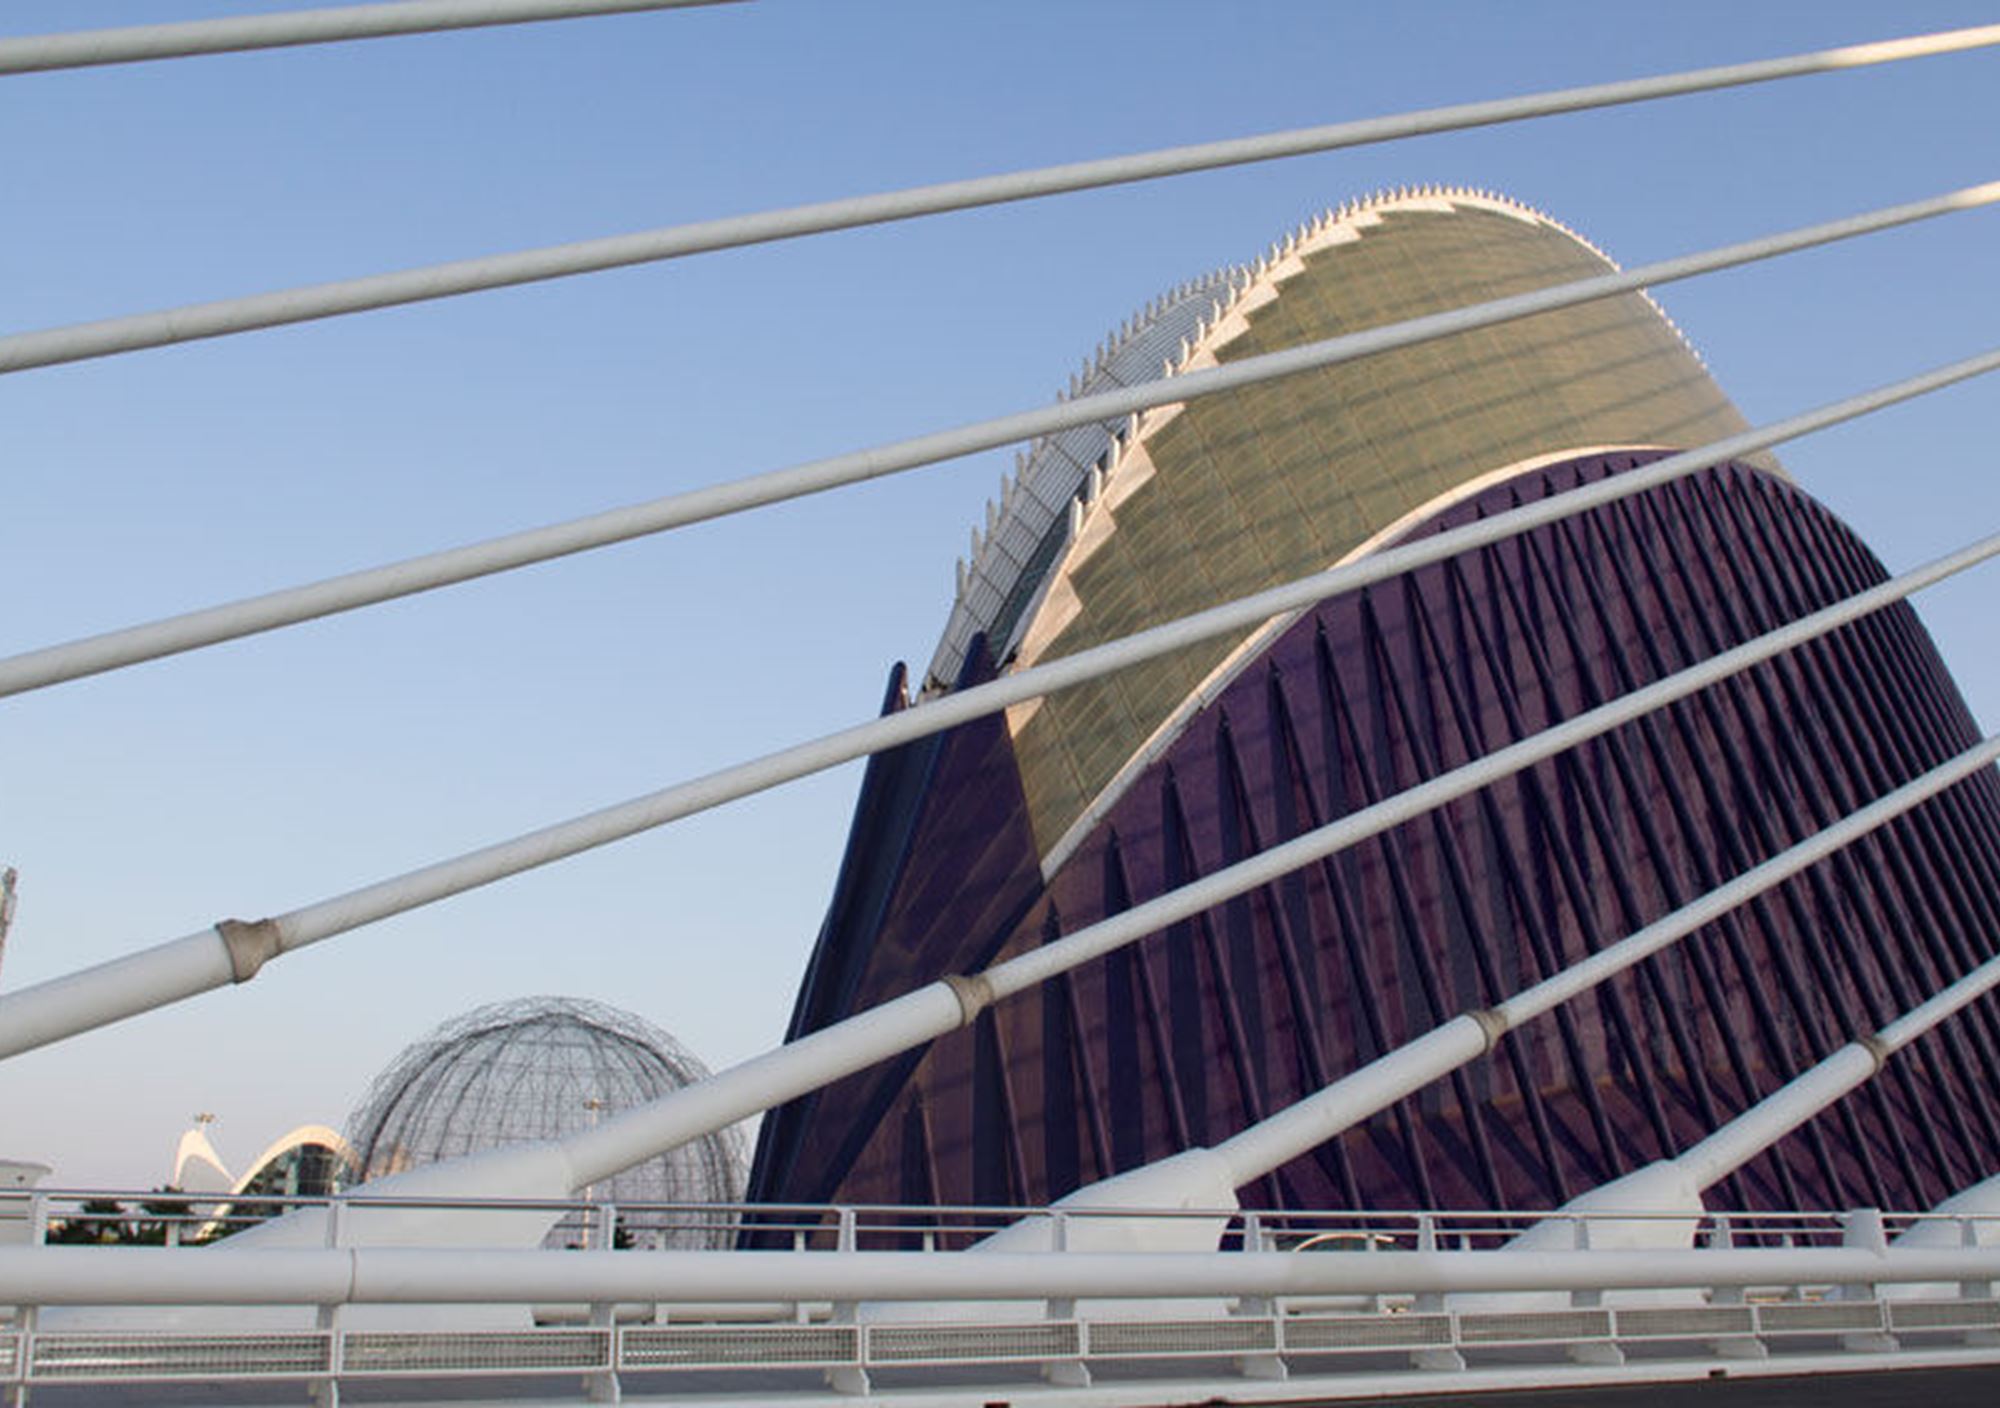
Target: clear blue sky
255 777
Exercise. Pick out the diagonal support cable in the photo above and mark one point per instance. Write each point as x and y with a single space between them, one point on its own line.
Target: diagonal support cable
37 669
234 951
846 1047
1727 1149
93 48
298 305
1310 1122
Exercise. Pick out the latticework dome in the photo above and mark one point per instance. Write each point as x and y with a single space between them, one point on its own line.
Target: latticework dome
542 1068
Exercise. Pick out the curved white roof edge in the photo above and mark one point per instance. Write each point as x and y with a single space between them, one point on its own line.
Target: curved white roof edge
285 1143
223 1206
1067 471
195 1150
1051 472
1253 645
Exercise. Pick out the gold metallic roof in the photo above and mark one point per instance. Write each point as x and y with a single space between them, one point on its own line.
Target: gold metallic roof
1223 496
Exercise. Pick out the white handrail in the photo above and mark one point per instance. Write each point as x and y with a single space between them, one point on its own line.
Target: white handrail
57 1275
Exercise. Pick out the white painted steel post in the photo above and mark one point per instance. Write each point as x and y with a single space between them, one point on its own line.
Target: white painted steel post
27 1313
192 630
852 1378
602 1385
1861 1228
1721 1237
1070 1372
1442 1358
1968 1236
326 1316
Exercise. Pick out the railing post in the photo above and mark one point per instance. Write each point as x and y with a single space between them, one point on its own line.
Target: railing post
800 1315
1260 1366
26 1316
602 1385
1069 1373
1968 1236
1368 1245
15 1394
1862 1228
1721 1237
1446 1356
16 1390
1590 1298
326 1317
849 1378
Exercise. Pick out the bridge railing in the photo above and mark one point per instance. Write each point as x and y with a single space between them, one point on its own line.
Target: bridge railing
857 1294
176 1218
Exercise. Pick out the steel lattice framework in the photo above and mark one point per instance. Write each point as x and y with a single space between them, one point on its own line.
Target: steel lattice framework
545 1068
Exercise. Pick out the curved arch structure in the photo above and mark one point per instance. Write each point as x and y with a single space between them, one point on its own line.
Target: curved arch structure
307 1163
980 843
312 1159
197 1167
1191 504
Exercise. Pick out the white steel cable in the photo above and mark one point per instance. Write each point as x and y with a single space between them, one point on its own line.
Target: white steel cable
417 1275
201 961
297 305
90 48
1853 1065
759 774
48 665
1311 1121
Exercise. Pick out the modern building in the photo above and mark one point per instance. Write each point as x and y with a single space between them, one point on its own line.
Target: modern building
543 1068
311 1161
986 841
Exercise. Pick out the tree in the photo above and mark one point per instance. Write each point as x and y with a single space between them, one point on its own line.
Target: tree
97 1222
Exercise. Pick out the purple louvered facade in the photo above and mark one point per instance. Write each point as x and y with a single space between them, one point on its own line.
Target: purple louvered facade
1196 1031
